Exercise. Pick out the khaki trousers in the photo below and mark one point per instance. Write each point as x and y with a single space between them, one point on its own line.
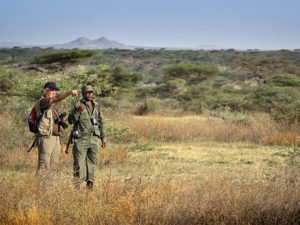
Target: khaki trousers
49 150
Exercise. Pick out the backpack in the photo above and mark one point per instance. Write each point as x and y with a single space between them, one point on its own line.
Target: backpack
33 120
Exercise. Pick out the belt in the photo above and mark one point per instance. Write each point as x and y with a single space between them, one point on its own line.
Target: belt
87 134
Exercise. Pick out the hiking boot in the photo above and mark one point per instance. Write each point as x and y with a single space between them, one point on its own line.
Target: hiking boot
90 185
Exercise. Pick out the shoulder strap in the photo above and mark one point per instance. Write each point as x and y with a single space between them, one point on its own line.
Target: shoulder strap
77 121
38 111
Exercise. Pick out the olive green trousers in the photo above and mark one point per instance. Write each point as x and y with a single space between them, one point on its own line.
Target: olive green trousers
85 155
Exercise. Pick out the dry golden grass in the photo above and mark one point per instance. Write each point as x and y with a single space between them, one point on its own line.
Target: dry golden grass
186 183
197 171
220 201
167 129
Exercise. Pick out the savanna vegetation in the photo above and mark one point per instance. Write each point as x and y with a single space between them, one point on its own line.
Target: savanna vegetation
194 137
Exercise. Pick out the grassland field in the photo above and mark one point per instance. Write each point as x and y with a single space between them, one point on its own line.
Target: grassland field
165 170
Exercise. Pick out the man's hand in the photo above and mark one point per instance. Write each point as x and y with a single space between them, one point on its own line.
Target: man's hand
74 92
80 108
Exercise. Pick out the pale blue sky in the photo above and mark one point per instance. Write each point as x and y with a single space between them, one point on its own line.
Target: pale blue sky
240 24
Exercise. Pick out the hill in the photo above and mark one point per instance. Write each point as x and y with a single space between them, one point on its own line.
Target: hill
85 43
79 43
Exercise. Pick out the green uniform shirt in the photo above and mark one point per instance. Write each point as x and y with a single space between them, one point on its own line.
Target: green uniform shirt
89 119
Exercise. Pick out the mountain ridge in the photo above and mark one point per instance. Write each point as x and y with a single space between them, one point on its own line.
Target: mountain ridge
99 43
85 43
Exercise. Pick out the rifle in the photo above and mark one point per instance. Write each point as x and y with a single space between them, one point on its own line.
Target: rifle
70 141
33 144
72 135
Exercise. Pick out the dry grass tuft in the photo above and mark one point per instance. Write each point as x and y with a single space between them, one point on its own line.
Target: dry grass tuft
117 156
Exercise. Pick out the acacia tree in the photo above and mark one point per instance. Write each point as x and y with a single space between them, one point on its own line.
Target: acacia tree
179 77
190 72
58 61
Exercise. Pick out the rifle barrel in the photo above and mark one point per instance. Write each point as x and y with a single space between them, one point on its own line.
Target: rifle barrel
33 144
68 145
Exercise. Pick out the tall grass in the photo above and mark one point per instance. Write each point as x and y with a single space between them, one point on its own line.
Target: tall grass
28 200
190 128
189 182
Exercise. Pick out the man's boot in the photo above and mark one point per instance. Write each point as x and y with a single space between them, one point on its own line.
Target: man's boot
90 185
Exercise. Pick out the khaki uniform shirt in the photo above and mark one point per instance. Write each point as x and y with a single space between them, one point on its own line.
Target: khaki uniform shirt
46 103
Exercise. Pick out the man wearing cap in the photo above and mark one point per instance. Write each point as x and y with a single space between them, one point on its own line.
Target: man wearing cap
88 132
48 130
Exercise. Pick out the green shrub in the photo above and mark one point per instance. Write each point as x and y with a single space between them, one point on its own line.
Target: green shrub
146 107
282 102
119 134
190 72
286 80
233 116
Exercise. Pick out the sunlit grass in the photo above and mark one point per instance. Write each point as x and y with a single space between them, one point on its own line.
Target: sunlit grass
175 177
262 130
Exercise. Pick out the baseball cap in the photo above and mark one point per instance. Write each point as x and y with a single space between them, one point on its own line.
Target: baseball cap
87 88
51 85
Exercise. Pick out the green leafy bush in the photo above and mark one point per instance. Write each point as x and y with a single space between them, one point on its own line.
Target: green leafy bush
286 80
282 102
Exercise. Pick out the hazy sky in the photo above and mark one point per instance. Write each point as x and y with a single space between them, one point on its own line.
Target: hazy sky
262 24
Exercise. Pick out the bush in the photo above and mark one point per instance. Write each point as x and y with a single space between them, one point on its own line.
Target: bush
282 102
146 107
286 80
190 72
233 116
